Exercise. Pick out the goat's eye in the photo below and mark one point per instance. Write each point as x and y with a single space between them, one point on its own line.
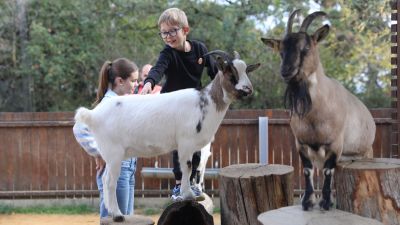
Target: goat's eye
233 79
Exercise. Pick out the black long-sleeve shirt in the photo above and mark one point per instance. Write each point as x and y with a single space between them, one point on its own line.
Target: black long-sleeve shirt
181 69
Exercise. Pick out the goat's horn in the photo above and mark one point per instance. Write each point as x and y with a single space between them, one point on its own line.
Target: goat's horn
307 21
290 21
220 53
236 54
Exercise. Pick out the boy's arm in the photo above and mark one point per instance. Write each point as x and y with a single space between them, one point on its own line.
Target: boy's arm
157 71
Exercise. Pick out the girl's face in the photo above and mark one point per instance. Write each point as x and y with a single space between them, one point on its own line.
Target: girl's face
174 36
127 86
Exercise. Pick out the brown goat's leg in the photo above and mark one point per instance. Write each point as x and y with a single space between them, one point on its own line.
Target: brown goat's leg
308 199
329 168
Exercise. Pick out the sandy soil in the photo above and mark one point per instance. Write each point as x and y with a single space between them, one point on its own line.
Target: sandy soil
90 219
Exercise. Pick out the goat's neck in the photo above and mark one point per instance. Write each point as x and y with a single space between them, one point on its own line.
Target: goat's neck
218 94
317 83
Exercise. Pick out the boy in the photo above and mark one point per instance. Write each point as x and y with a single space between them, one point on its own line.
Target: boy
179 61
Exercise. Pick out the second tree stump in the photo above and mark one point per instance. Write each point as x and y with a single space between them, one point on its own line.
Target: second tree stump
246 190
370 188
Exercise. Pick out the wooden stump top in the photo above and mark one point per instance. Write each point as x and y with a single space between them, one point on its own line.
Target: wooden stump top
371 164
254 170
294 215
129 220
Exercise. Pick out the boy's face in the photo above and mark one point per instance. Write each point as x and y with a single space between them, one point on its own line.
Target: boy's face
174 36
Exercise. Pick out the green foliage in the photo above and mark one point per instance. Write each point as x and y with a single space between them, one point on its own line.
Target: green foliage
51 62
69 210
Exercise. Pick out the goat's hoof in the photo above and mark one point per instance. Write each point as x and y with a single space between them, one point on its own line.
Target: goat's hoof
307 205
189 196
119 218
325 204
200 198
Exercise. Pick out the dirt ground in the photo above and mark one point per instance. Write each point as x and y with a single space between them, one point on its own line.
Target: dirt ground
90 219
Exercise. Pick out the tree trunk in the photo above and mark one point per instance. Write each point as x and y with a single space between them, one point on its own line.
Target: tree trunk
184 213
370 188
246 190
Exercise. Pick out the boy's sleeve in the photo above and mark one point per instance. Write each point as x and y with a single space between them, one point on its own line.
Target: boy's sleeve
85 138
156 73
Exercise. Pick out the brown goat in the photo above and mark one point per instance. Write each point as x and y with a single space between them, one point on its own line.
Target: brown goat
328 122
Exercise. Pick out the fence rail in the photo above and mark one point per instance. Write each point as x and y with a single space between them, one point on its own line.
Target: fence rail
39 156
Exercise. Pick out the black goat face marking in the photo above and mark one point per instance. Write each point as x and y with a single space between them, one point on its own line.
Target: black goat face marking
295 48
118 104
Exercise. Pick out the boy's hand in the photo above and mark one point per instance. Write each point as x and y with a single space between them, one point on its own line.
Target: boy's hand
146 89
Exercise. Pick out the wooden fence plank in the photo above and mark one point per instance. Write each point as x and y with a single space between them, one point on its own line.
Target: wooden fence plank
39 152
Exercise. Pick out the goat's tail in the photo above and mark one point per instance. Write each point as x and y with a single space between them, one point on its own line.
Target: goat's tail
83 115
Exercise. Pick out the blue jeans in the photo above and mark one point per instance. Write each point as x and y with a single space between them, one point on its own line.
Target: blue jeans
125 188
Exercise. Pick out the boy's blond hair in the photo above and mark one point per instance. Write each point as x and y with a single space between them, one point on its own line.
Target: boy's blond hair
173 16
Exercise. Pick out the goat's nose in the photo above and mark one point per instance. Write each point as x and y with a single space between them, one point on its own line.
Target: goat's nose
247 90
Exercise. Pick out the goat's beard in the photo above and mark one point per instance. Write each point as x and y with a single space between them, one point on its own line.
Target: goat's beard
297 97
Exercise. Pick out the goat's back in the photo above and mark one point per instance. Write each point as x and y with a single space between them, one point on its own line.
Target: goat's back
150 125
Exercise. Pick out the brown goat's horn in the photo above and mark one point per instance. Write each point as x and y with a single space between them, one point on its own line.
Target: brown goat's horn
290 21
307 21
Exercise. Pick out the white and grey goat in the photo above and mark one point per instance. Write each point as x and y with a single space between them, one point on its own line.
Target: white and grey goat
328 122
186 120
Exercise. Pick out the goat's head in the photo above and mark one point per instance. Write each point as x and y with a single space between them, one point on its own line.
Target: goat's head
298 51
235 74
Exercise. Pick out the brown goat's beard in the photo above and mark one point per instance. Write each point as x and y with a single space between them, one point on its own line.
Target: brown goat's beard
297 97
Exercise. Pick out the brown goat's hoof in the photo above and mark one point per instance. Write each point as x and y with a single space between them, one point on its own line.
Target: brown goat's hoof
119 218
307 205
325 204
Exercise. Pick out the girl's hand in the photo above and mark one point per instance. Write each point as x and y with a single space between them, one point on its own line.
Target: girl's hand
100 164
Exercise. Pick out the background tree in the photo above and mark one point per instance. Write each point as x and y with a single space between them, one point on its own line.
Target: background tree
51 50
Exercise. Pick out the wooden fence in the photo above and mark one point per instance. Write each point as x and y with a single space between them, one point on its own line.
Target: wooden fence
39 156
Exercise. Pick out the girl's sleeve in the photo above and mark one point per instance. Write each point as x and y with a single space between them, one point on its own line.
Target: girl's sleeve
85 138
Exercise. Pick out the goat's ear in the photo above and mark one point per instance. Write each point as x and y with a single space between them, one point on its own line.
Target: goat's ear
321 33
251 68
272 43
221 63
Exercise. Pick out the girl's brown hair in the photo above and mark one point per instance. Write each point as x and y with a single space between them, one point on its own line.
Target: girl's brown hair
120 67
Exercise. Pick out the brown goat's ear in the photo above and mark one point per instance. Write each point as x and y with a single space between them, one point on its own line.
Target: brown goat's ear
251 68
272 43
321 33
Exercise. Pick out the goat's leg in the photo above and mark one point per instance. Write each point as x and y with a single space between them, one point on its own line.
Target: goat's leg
186 167
205 154
329 169
110 178
308 199
195 164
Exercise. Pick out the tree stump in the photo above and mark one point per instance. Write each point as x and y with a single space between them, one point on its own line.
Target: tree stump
129 220
370 188
184 213
294 215
246 190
